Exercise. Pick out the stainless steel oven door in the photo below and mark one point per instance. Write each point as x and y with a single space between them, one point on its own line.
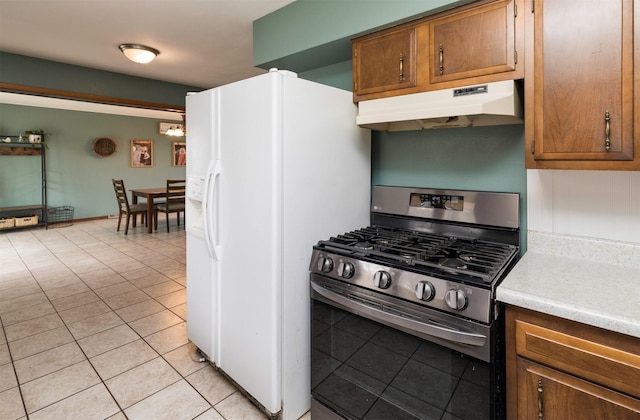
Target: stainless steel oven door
466 336
377 357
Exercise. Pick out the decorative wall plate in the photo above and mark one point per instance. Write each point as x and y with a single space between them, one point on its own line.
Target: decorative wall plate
104 147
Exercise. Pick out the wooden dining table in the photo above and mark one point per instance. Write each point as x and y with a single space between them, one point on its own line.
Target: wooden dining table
149 194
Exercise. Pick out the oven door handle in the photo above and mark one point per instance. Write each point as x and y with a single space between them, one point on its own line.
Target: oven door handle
398 321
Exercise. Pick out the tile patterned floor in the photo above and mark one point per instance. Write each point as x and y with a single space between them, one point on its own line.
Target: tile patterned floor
93 326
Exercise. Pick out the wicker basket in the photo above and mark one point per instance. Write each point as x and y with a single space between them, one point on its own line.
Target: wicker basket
7 223
27 220
60 216
104 147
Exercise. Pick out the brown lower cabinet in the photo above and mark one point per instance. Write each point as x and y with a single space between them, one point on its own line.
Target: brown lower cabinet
551 394
561 369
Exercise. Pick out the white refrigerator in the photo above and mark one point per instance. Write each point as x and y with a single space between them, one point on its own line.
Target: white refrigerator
274 164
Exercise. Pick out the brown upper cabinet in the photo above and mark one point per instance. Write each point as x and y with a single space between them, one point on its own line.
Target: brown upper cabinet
581 82
472 44
385 62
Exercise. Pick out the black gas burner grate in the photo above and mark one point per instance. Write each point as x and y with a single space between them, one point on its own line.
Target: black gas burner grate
424 252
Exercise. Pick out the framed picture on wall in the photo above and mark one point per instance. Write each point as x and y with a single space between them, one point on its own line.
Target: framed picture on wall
141 153
179 153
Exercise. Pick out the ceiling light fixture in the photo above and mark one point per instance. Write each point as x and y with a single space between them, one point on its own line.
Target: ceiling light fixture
138 53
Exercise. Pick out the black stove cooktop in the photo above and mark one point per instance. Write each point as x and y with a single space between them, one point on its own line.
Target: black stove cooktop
460 259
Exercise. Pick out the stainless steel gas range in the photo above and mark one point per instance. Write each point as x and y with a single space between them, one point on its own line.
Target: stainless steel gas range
405 321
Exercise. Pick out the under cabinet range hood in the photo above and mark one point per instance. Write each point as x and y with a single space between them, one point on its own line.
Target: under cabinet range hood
496 103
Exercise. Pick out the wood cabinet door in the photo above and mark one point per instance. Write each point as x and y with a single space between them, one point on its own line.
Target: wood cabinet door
474 42
550 394
583 81
385 62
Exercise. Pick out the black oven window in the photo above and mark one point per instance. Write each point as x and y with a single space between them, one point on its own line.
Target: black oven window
364 370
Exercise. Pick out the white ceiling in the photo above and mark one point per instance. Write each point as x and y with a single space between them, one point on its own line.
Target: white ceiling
203 43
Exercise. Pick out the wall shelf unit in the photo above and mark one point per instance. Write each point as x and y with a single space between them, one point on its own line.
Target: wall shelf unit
31 214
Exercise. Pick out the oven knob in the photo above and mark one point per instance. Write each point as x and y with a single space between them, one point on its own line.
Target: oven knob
425 291
382 279
325 264
346 270
456 299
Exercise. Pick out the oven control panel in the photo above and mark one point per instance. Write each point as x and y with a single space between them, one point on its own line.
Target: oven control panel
446 295
437 201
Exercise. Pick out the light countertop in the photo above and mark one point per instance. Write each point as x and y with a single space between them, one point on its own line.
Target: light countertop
592 281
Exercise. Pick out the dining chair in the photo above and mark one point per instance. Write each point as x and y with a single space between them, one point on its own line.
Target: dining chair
174 202
125 208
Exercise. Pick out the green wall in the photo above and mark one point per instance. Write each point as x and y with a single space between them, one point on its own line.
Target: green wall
474 158
75 175
29 71
336 75
310 37
308 34
477 158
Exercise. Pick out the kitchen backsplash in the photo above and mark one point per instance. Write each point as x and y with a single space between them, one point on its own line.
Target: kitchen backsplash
595 204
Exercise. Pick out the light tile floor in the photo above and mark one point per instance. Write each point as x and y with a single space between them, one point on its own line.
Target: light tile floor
93 326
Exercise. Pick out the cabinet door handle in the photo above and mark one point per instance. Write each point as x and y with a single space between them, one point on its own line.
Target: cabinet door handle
401 68
607 131
540 402
441 60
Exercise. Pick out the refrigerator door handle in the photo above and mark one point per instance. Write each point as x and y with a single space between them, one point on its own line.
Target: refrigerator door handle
213 172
